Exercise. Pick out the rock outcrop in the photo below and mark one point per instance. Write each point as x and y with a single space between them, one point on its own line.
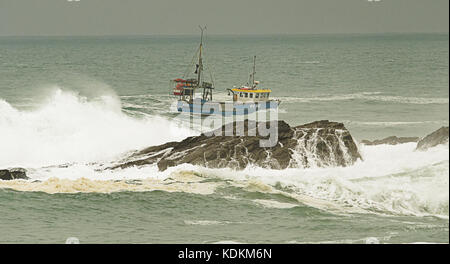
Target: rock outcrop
13 174
317 144
392 140
438 137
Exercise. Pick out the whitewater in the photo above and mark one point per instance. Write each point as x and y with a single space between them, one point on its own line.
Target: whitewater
67 143
70 128
70 109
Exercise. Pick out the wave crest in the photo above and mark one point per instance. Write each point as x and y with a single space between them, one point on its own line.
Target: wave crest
72 128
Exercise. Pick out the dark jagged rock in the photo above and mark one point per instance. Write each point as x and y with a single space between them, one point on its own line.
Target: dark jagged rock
13 174
320 144
393 140
438 137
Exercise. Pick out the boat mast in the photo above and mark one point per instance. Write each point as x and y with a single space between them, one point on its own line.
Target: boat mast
254 72
200 61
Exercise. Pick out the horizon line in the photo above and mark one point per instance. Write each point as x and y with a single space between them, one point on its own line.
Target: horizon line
230 34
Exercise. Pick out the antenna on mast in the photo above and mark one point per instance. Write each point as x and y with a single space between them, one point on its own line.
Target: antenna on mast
202 29
200 61
254 72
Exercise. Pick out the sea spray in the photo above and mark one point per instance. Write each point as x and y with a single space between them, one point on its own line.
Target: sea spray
80 133
391 180
71 128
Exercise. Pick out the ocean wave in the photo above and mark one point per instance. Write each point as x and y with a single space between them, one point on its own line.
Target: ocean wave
87 134
275 204
395 123
72 128
392 180
52 185
367 96
205 222
309 62
364 240
225 242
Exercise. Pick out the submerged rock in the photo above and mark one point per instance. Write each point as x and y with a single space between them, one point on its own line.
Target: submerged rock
438 137
13 174
392 140
317 144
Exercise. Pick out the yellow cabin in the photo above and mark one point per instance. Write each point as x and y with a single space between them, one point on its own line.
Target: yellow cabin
250 95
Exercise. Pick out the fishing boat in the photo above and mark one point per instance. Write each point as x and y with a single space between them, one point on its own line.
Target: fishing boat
250 96
245 99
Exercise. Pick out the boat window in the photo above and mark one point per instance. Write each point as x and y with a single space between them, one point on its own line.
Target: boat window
251 95
262 95
240 94
246 95
268 95
257 95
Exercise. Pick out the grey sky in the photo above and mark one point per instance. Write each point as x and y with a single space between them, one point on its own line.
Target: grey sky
142 17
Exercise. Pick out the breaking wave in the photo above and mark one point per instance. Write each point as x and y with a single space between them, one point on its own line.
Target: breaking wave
395 123
71 128
367 96
66 143
391 180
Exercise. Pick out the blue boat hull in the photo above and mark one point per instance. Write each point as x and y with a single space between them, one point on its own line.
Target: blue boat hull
224 108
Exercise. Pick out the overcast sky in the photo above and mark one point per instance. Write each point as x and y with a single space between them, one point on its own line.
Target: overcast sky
143 17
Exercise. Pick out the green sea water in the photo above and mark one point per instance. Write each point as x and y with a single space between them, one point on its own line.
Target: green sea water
70 105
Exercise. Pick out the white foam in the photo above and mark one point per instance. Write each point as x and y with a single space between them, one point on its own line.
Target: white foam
391 179
274 204
369 96
365 240
227 242
205 222
395 123
72 128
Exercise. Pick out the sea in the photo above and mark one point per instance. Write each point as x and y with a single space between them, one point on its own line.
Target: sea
69 106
